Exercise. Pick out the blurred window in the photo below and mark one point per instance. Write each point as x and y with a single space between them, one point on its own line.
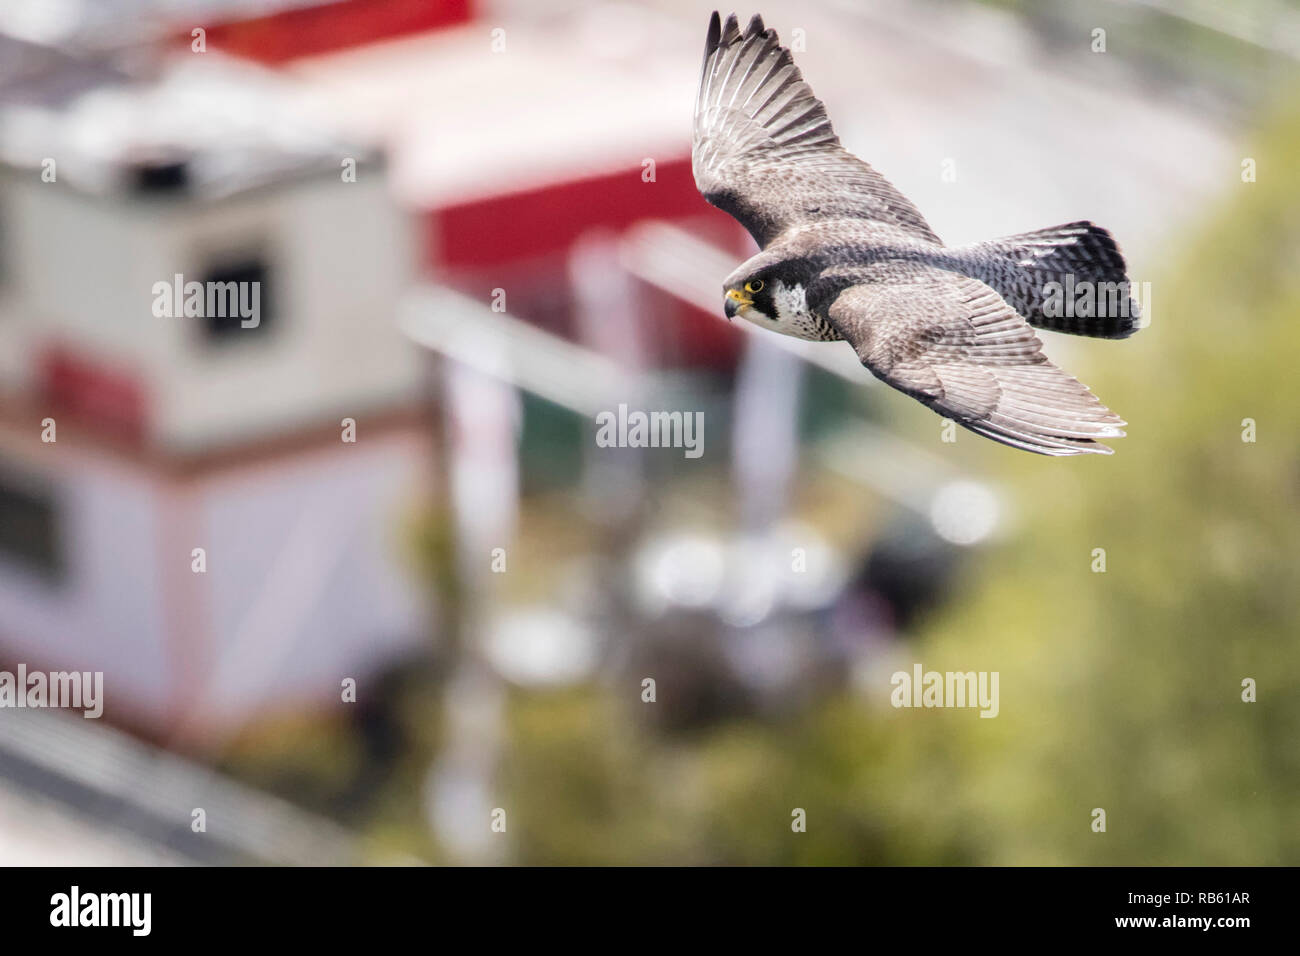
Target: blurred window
240 290
29 533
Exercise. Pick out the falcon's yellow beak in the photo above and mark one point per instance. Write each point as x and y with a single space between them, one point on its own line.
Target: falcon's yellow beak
737 301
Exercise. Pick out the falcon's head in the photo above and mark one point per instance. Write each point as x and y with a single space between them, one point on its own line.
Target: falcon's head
774 293
751 299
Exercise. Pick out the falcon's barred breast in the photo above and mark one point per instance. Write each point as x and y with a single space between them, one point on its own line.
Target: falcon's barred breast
845 255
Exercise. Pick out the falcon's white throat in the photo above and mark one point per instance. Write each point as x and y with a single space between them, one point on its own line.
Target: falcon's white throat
791 302
792 316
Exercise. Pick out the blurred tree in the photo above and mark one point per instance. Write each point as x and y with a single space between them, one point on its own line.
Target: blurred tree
1120 690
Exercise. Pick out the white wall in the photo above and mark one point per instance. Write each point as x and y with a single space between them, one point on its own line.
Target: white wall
341 258
309 578
81 270
107 612
310 573
73 271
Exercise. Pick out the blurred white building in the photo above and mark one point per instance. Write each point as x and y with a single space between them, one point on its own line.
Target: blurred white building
289 445
130 164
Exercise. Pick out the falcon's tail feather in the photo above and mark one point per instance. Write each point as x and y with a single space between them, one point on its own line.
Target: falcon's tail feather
1068 278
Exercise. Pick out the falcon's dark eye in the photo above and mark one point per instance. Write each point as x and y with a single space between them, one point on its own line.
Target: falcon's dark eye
754 285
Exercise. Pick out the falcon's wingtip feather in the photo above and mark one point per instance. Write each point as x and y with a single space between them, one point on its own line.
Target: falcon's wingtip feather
715 34
724 34
730 30
1039 444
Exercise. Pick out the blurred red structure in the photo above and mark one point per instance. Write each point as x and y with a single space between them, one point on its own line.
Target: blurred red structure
310 30
527 237
105 398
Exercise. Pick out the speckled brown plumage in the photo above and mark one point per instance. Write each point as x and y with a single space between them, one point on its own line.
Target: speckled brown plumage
845 255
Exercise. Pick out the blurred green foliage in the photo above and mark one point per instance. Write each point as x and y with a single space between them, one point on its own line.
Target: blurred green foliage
1120 690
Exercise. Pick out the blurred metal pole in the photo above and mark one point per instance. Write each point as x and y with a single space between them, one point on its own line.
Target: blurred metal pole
609 323
765 432
614 481
482 414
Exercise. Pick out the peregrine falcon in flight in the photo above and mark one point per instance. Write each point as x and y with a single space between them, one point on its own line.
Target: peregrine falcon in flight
846 256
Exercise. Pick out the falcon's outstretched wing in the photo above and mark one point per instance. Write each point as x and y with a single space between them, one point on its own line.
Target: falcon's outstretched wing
764 150
954 344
